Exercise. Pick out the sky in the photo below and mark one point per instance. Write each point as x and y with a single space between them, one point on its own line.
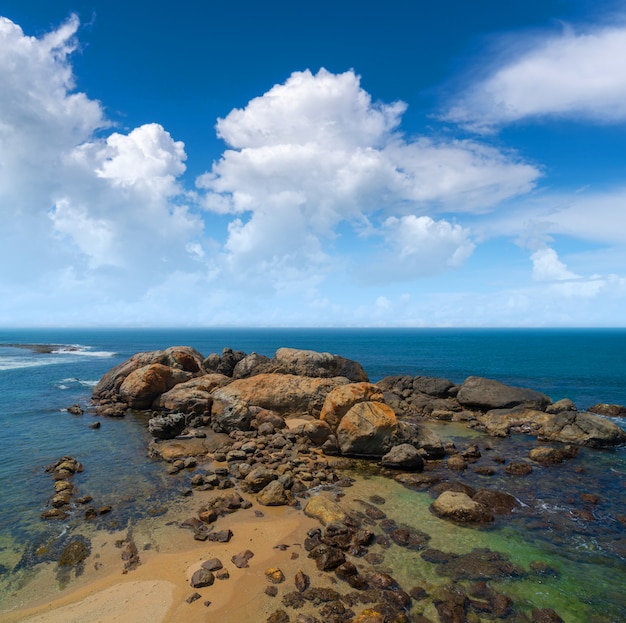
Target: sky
400 163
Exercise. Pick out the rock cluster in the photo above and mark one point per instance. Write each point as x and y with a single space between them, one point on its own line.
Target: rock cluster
272 431
66 499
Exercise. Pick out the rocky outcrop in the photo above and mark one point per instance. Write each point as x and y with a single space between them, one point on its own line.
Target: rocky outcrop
485 394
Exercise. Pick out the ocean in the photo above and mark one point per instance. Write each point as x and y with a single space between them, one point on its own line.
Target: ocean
36 388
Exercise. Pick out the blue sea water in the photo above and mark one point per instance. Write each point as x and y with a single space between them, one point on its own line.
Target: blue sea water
36 388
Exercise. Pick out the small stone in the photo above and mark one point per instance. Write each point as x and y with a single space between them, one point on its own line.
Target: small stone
193 597
302 581
271 591
95 425
274 575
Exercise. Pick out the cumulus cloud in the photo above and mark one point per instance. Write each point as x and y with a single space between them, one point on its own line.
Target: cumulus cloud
579 75
548 267
316 152
418 246
75 200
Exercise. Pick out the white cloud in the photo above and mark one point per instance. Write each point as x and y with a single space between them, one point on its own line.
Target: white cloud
417 247
316 152
73 203
578 75
548 267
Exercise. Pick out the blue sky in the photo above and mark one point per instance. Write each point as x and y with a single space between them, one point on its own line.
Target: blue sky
313 164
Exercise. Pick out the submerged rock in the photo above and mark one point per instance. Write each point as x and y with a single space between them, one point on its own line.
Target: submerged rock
460 507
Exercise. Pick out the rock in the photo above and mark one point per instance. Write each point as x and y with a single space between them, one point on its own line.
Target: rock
317 431
546 615
341 399
404 456
518 469
561 405
75 552
273 494
583 429
241 560
193 597
285 394
229 416
302 581
367 429
214 564
324 510
75 410
319 365
280 616
179 448
486 394
142 386
498 502
95 425
274 575
260 477
457 463
327 557
252 364
167 426
460 507
548 455
609 410
192 397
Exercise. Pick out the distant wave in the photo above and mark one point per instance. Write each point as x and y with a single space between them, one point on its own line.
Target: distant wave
61 349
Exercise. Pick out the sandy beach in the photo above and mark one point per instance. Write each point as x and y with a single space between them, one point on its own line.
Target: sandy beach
156 592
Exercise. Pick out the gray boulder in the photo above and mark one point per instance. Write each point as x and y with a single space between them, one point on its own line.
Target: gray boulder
485 394
167 426
405 456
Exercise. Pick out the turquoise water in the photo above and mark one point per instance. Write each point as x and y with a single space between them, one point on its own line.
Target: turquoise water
587 366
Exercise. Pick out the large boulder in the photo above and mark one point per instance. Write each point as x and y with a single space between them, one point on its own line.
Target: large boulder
574 427
284 393
179 357
191 397
485 394
367 429
341 399
143 385
323 365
